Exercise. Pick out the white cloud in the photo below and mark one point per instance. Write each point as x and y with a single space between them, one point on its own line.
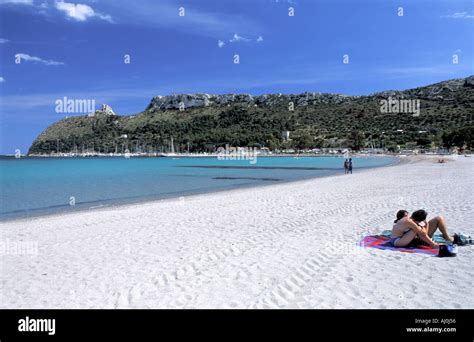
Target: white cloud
3 40
17 2
459 15
80 12
28 58
2 79
237 38
220 43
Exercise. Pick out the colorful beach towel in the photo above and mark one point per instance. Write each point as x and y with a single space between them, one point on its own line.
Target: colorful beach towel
438 238
381 242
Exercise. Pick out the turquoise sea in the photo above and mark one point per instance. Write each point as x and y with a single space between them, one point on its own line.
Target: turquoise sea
36 186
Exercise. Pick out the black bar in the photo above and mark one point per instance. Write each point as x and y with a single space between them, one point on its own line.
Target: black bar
294 325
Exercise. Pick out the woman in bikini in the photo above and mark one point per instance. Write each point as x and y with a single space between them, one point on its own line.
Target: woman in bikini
406 229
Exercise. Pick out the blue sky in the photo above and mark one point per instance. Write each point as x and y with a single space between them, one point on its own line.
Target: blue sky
77 49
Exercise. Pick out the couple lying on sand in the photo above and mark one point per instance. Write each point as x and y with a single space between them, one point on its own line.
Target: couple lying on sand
415 229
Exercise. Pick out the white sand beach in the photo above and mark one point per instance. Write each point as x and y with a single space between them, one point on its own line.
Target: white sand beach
289 245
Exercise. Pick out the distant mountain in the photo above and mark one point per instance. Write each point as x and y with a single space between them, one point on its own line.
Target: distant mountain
203 122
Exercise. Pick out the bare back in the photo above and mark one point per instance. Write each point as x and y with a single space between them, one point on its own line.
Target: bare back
400 227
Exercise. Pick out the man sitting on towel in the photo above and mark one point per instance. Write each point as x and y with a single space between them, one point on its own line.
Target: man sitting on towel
406 229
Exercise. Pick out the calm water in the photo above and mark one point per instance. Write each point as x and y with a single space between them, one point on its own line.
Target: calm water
35 186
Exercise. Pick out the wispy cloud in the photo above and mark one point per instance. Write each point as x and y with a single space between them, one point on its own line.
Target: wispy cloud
109 95
3 40
441 70
148 13
237 38
303 75
2 79
17 2
316 74
28 58
459 15
220 43
285 1
75 11
196 21
80 12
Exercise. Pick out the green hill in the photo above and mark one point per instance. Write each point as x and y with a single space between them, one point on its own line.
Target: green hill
204 122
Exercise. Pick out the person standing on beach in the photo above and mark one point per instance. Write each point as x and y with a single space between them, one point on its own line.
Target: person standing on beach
346 166
350 166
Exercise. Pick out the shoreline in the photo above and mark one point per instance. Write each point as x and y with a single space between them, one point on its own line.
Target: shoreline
123 203
215 155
